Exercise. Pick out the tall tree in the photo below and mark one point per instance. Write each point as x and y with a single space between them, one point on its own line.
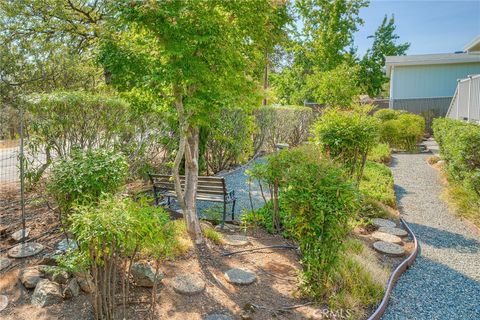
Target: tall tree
323 43
373 62
197 58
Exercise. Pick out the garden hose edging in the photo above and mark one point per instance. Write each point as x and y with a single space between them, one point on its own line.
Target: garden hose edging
392 281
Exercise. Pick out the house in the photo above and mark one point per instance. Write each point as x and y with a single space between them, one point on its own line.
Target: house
420 83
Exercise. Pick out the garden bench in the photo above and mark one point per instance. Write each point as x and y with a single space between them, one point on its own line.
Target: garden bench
211 189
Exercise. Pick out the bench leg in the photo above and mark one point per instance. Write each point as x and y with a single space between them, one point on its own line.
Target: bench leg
233 209
224 213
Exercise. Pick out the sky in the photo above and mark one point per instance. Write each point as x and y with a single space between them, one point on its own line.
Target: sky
434 26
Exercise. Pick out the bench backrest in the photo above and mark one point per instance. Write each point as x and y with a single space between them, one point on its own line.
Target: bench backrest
206 185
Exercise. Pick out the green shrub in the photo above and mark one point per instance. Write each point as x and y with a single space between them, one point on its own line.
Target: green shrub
380 153
347 137
401 131
229 141
111 235
377 183
460 148
85 176
281 124
319 204
387 114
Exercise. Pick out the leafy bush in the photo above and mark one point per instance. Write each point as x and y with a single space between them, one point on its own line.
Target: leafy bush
110 236
377 183
380 153
281 124
460 148
347 137
62 122
318 204
85 176
401 130
230 140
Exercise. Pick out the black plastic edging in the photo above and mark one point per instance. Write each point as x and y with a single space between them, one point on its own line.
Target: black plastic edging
396 275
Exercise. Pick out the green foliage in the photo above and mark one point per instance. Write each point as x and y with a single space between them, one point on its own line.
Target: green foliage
401 130
212 235
337 87
318 204
85 176
113 232
281 124
229 141
380 153
460 148
347 137
370 209
377 183
373 62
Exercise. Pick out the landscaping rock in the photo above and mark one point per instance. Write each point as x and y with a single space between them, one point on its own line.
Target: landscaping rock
72 289
47 293
64 245
144 275
3 302
378 222
382 236
31 276
395 231
389 248
24 250
21 234
235 240
5 263
188 284
217 316
55 274
85 282
240 276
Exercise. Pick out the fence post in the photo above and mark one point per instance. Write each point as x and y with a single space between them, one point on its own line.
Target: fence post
458 97
22 172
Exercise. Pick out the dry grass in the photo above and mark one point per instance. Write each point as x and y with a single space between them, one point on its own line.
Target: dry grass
462 201
183 243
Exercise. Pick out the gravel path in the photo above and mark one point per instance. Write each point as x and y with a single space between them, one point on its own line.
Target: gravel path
444 282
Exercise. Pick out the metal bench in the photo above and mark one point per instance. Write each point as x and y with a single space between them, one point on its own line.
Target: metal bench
212 189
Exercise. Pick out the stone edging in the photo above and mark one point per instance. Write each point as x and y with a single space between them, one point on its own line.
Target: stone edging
396 275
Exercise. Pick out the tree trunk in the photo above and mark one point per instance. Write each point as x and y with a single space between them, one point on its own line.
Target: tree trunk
188 147
265 79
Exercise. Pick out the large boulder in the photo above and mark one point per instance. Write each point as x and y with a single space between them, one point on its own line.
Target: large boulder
47 293
56 274
30 276
144 275
85 281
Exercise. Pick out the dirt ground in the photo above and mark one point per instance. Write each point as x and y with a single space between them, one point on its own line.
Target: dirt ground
273 295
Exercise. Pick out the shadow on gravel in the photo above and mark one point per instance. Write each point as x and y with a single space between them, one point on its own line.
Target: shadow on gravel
400 192
444 239
431 290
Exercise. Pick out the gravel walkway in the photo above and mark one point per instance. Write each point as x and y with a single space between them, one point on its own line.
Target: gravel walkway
444 282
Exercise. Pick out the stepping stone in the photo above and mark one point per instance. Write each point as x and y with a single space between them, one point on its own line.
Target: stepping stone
188 284
395 231
24 250
4 302
382 236
389 248
217 316
240 276
378 222
21 234
236 240
5 263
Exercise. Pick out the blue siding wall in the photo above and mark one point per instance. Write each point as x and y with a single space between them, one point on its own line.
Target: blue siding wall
430 80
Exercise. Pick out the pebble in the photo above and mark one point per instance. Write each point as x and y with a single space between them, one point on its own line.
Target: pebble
21 234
